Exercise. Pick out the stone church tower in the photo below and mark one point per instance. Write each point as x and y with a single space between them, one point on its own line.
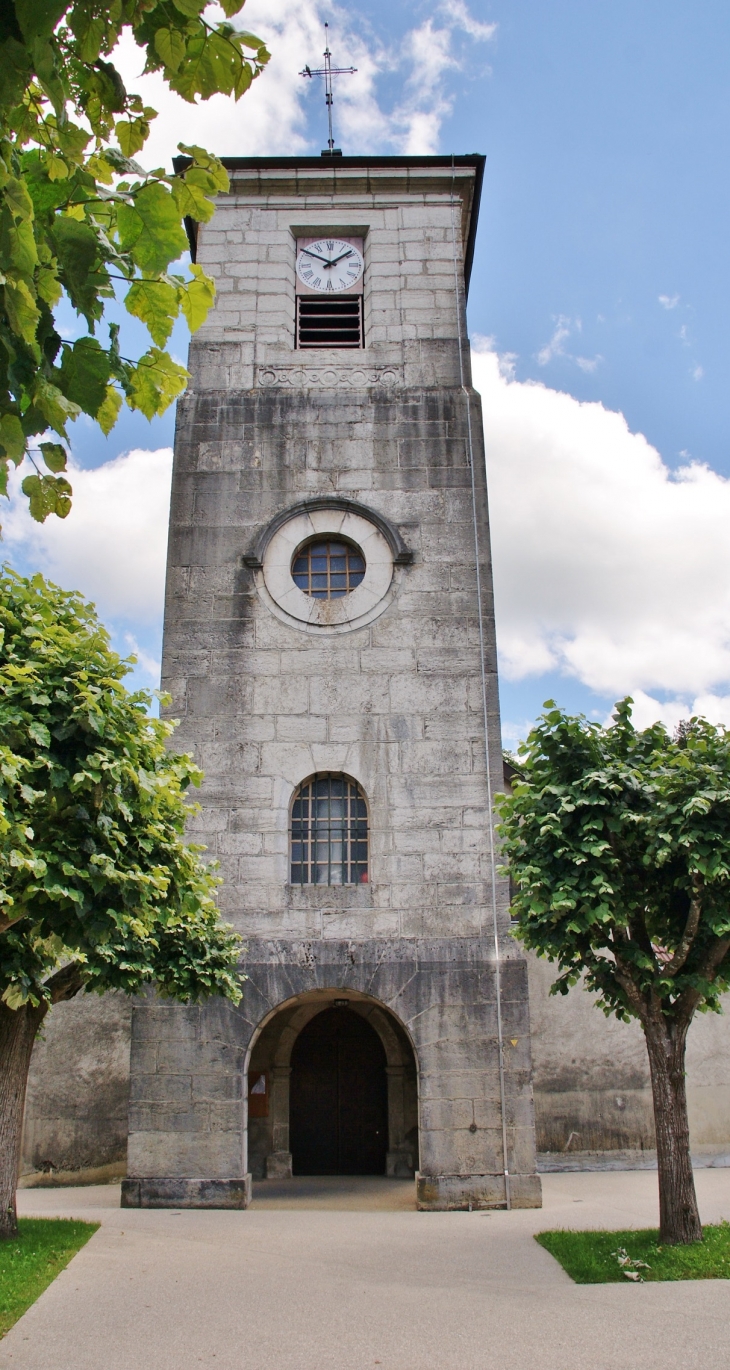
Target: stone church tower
329 647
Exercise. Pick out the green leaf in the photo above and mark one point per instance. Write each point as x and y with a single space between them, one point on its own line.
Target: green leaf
48 285
132 134
12 437
191 194
22 311
38 18
150 229
242 80
93 37
249 40
15 995
54 455
191 8
39 733
101 169
155 382
157 304
47 495
212 165
108 412
72 140
197 297
56 169
17 199
53 405
211 65
170 46
76 246
51 76
18 251
85 373
15 72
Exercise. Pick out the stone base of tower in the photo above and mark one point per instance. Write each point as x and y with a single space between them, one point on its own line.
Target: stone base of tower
173 1192
442 1193
195 1142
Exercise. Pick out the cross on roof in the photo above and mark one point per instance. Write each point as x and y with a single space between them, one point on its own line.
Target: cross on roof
328 71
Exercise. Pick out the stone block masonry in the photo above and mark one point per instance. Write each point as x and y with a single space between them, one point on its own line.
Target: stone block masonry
385 687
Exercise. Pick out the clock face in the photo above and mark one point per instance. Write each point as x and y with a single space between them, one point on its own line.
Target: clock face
329 264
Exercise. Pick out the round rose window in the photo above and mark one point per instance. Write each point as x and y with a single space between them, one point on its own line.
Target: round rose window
328 569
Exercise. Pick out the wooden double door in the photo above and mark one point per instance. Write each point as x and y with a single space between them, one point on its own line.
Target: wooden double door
338 1098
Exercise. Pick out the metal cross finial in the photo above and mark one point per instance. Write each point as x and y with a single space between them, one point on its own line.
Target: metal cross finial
328 71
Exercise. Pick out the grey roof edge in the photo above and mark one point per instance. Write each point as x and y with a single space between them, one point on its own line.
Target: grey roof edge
402 555
477 160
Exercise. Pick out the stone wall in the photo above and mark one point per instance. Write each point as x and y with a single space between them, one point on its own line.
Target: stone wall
78 1093
591 1087
591 1077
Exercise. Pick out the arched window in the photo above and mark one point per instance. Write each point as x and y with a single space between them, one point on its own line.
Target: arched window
328 568
329 832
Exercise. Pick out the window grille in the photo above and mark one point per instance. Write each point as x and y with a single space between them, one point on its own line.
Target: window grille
333 322
328 570
329 833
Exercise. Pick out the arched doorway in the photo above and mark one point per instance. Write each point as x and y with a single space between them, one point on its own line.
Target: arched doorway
338 1097
333 1079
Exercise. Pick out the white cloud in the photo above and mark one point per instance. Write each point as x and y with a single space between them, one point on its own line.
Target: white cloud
457 11
609 567
113 544
697 372
555 348
564 328
669 301
514 733
647 709
271 118
150 665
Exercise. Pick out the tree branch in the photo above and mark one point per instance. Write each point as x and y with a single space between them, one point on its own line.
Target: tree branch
707 970
629 986
6 922
690 932
66 983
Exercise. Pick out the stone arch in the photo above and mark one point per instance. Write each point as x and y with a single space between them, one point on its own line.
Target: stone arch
269 1054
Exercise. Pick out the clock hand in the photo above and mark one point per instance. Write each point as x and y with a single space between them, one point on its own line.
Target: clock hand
316 257
341 257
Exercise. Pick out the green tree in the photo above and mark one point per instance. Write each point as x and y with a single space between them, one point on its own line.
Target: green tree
618 843
78 214
98 888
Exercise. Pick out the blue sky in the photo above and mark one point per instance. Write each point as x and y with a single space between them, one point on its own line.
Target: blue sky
601 273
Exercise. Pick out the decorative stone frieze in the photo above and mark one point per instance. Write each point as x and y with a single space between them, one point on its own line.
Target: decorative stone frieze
301 377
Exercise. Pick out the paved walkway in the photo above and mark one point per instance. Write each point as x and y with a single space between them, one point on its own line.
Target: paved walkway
325 1275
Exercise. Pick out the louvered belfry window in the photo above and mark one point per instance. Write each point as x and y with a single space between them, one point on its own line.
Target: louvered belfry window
329 832
329 322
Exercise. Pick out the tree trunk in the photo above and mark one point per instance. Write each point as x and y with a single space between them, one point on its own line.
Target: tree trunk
679 1219
18 1031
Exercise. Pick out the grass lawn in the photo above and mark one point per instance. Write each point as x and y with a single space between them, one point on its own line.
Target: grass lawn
590 1257
42 1249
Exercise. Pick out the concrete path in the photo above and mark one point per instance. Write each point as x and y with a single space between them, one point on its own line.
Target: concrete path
324 1275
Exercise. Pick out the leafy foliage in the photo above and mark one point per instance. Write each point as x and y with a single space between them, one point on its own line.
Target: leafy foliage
618 843
94 870
78 213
